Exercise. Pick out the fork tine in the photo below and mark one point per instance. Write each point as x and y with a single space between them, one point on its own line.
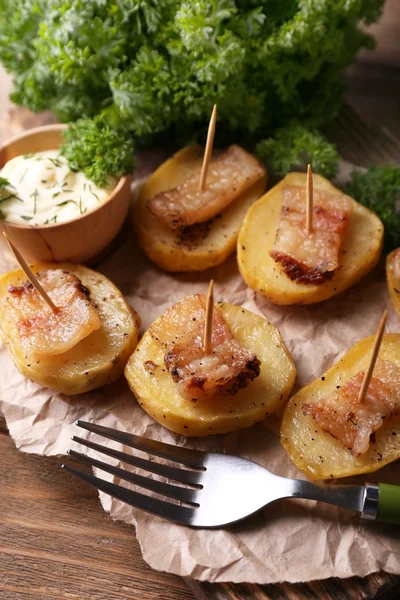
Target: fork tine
166 510
181 475
191 458
166 489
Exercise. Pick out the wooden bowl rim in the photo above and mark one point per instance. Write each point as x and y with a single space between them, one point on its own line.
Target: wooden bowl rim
38 131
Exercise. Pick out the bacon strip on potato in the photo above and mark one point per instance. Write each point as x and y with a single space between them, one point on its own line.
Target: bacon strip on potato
310 257
44 333
354 423
229 174
228 367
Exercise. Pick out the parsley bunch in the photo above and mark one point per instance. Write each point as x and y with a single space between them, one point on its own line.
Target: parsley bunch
155 68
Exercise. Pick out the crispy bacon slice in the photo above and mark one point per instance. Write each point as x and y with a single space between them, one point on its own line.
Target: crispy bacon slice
353 423
310 257
229 367
229 174
42 332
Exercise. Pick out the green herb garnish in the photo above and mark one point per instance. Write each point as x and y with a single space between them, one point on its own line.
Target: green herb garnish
55 161
97 149
4 183
26 218
80 206
378 188
22 177
60 182
28 155
65 202
9 197
34 195
145 69
54 219
294 146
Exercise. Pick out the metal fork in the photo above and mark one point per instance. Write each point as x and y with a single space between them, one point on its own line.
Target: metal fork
217 489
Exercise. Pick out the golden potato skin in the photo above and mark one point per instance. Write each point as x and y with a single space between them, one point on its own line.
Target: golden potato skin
96 360
317 453
362 247
393 279
158 395
162 244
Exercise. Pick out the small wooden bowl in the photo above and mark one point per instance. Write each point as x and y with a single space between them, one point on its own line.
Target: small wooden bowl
84 238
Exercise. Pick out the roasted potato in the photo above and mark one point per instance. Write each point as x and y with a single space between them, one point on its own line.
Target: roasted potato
212 243
98 359
393 278
316 452
360 251
158 395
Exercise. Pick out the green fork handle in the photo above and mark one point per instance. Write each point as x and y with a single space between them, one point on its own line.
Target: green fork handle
389 504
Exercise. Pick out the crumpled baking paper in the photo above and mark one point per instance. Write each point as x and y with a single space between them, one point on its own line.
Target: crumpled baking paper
289 540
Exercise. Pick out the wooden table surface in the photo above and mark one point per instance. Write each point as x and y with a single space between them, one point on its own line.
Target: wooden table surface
57 543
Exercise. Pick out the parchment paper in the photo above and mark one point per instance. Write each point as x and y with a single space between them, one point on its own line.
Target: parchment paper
290 540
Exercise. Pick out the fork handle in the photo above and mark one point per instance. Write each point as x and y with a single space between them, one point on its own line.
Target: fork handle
389 504
375 502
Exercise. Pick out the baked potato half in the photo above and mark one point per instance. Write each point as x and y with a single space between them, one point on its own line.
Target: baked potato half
316 452
158 395
393 278
202 246
360 252
97 359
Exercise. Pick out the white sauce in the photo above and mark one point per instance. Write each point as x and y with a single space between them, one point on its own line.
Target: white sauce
44 190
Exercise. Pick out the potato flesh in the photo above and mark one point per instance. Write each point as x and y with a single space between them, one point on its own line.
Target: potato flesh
158 394
317 453
162 245
393 278
96 360
360 251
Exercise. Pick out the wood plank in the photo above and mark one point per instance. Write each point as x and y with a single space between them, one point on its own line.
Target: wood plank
379 586
56 542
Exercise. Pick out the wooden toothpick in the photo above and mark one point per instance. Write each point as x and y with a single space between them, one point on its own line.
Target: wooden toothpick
208 150
209 318
28 272
374 356
309 199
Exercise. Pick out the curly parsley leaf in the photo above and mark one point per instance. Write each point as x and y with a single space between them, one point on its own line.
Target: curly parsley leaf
378 188
98 150
294 146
